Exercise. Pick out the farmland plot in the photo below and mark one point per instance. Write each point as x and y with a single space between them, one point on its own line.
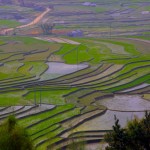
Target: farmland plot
94 81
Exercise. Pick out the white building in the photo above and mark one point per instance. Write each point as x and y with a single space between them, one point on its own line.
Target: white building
89 4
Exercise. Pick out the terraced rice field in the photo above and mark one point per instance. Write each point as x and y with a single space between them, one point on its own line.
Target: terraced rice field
71 90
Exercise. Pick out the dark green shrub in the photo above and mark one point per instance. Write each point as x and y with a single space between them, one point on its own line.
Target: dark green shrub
13 136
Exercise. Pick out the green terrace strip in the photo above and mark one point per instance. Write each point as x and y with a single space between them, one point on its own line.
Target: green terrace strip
69 125
77 55
66 48
12 98
39 56
9 70
45 131
141 90
129 60
105 47
92 55
16 112
148 81
146 96
11 110
26 40
26 44
46 123
34 110
36 118
49 142
73 97
43 142
29 70
2 42
128 70
32 68
130 48
47 137
9 80
126 79
53 120
140 37
25 69
20 112
50 96
17 57
112 69
98 70
4 56
132 83
89 98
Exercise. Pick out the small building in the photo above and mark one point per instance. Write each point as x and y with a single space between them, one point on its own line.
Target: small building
75 33
89 4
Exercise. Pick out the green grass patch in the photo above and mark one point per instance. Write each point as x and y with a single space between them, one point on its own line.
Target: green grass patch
9 23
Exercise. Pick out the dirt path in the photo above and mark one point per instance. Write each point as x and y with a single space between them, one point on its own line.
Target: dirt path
35 21
58 40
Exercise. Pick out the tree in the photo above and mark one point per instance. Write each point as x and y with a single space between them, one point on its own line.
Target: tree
14 137
47 28
117 139
136 136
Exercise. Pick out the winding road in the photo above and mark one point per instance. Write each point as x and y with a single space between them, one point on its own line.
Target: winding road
35 21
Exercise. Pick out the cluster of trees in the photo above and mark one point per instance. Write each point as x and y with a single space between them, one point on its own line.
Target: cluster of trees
13 136
135 136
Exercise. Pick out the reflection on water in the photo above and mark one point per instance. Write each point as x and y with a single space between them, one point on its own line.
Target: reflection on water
126 103
62 68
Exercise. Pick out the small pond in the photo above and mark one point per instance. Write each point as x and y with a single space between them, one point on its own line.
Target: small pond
58 68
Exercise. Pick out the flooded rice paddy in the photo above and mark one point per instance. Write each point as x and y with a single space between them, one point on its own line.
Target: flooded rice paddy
62 68
124 107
